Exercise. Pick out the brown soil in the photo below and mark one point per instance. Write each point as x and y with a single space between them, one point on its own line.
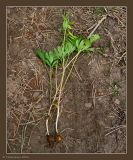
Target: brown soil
93 117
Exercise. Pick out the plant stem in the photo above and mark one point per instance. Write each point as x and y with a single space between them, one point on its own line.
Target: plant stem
62 86
58 105
76 56
57 88
50 95
50 82
56 82
73 59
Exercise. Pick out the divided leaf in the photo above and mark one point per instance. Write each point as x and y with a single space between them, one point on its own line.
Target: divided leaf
66 23
94 38
72 43
40 54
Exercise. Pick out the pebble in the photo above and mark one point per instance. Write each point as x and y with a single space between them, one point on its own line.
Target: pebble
88 105
117 101
36 94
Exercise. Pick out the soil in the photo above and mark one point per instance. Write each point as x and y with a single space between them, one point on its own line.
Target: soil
93 110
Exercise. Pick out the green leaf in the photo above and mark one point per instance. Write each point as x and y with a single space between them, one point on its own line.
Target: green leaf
87 43
65 22
60 53
40 54
72 43
81 45
65 25
46 55
94 38
55 63
50 57
77 42
69 48
69 27
91 49
70 34
47 62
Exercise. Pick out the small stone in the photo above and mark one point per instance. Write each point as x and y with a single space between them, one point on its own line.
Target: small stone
36 94
105 55
88 105
117 101
99 99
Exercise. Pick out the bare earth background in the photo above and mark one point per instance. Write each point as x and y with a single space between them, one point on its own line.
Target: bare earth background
93 118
